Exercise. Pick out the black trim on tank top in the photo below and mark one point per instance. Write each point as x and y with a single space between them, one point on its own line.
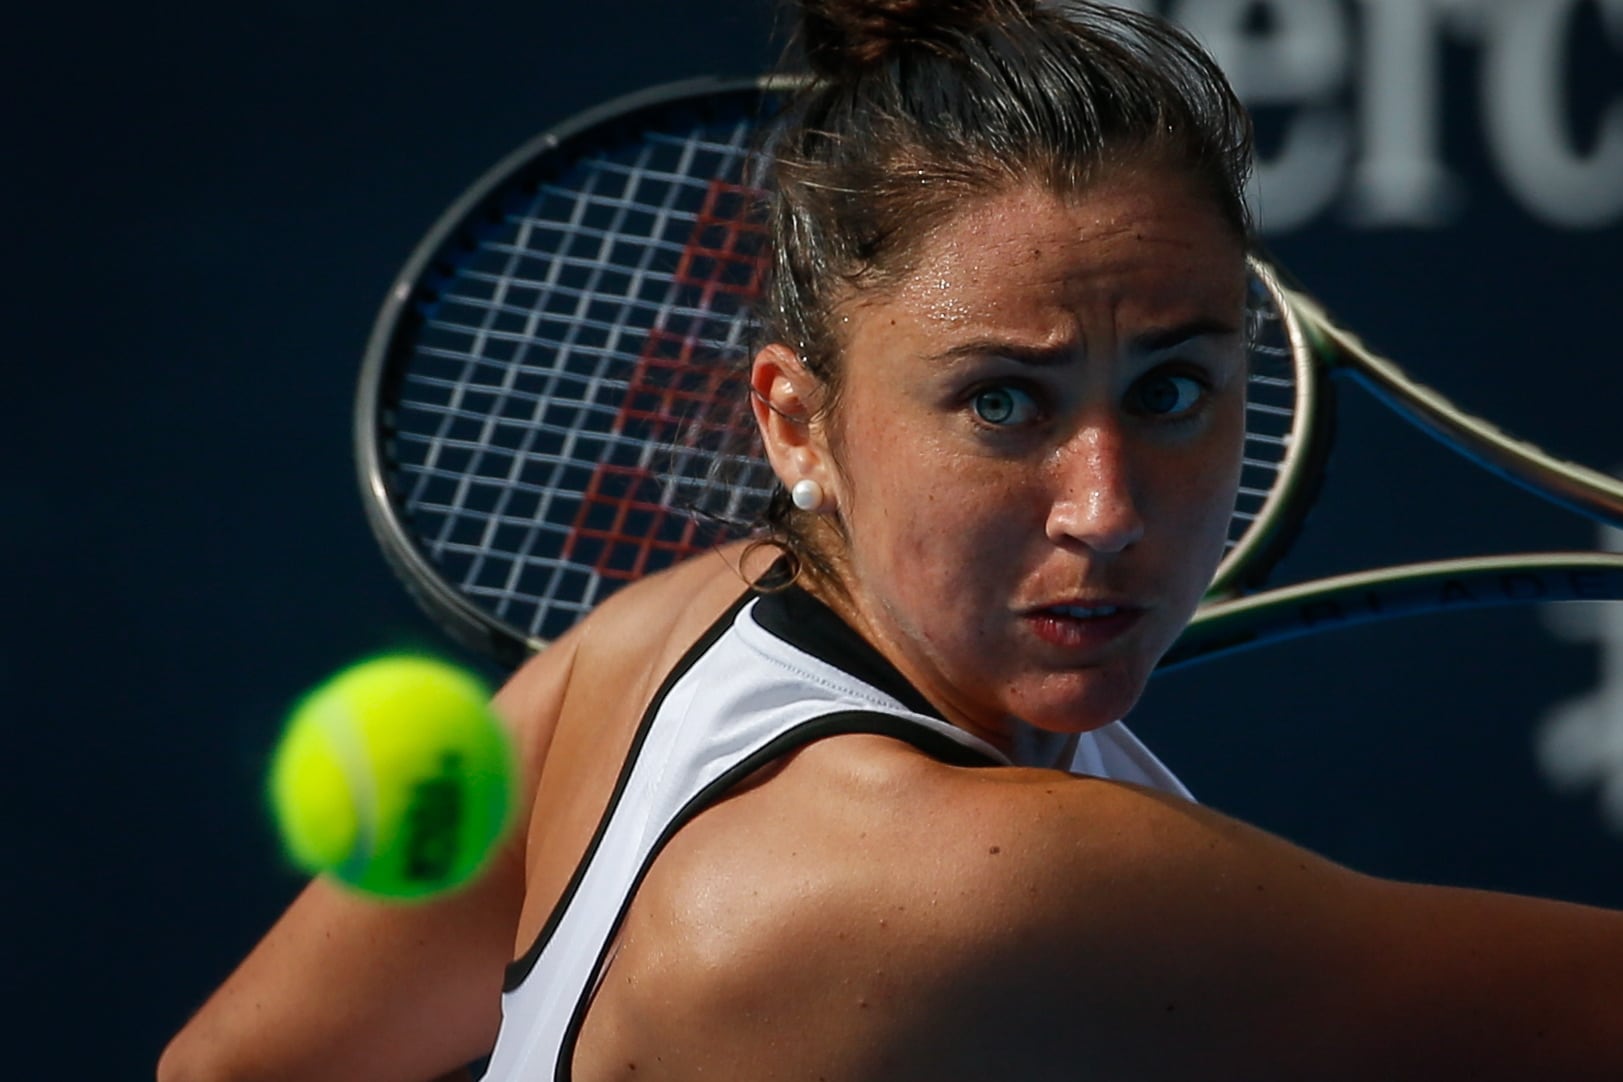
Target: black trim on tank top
520 967
792 614
937 745
804 622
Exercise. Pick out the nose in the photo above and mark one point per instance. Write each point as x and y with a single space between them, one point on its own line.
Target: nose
1094 500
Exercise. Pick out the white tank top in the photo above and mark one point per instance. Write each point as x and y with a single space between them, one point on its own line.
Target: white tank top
774 673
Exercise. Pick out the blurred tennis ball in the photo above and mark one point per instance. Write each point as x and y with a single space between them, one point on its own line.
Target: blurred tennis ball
393 777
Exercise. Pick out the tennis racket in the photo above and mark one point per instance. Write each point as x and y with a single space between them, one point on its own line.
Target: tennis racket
552 402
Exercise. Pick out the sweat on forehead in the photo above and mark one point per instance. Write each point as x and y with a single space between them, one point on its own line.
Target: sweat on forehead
875 153
989 236
1035 269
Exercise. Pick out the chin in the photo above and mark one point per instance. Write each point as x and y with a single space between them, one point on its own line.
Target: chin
1098 699
1078 698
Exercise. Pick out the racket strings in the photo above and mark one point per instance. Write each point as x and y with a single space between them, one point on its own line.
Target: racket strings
1271 414
678 396
577 373
500 541
620 211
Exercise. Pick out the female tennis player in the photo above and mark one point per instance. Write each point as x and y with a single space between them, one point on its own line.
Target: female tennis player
855 803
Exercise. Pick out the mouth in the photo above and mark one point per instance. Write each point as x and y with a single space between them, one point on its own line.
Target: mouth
1079 626
1085 612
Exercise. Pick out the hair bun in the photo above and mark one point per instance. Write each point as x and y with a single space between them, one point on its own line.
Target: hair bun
842 37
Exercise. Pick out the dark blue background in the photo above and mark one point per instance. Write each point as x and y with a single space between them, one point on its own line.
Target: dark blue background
205 206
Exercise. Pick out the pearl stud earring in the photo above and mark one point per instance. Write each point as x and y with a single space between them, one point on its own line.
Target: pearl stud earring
807 495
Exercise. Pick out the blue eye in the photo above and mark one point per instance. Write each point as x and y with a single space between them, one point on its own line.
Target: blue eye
1003 406
1167 395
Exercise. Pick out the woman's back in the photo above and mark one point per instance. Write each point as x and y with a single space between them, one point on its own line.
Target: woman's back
785 848
863 904
577 705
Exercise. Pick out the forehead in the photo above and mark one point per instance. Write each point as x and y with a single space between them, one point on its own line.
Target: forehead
1144 243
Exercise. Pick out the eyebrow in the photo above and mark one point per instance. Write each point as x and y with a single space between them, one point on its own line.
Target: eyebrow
1171 337
1039 356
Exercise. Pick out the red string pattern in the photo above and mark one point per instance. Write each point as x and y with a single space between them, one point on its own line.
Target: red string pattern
674 395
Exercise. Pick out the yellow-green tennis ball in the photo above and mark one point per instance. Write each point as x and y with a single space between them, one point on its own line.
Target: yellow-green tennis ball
394 777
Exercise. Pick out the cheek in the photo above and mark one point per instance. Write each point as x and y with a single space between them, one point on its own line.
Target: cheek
905 515
1227 463
1212 486
1207 499
916 513
890 476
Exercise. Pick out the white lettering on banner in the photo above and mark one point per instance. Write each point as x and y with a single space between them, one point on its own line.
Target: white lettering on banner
1400 178
1580 742
1359 85
1299 60
1527 130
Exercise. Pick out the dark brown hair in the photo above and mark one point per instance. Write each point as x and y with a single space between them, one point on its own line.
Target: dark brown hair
916 105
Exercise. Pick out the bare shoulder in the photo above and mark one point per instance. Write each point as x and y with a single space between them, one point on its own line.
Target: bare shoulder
623 642
671 608
878 915
867 816
896 917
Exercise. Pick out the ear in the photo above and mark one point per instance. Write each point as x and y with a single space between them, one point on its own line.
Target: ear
784 397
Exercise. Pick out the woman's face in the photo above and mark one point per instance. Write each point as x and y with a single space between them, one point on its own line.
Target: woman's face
1036 448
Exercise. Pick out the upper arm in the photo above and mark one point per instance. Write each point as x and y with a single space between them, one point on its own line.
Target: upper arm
1023 924
1170 941
344 987
347 987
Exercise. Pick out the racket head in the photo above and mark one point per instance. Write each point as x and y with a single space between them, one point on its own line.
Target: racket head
550 401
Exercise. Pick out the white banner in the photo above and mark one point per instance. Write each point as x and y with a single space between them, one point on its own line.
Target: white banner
1357 87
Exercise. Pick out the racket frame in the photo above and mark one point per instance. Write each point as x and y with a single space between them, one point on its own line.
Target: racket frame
1233 618
416 285
1575 487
